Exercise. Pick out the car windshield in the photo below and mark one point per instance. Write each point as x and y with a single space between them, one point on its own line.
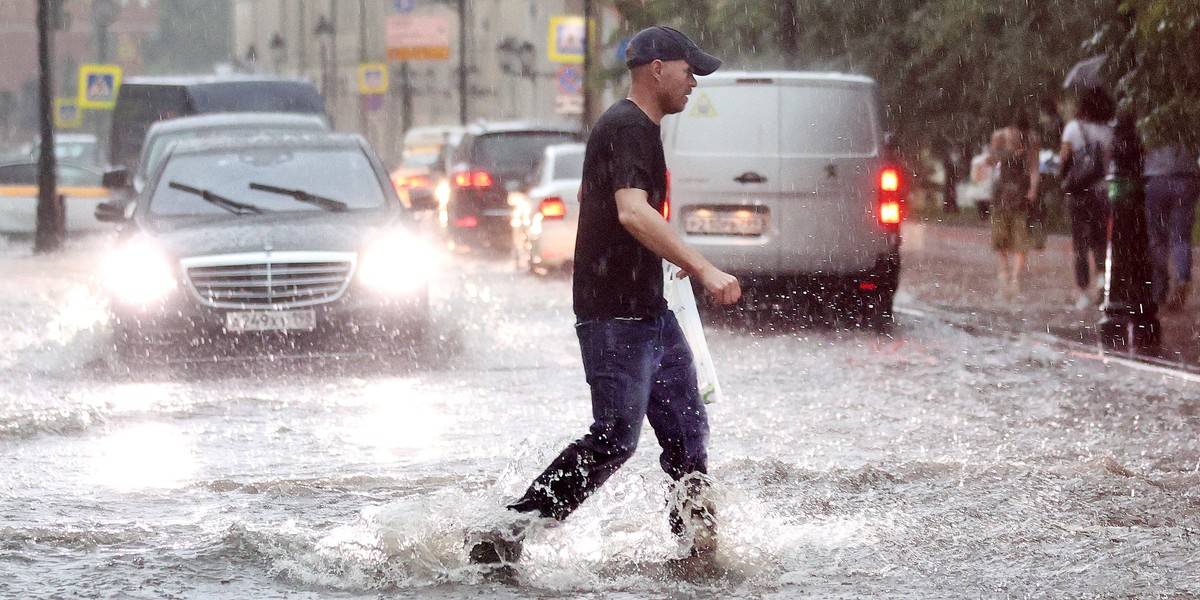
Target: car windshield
344 174
509 153
160 142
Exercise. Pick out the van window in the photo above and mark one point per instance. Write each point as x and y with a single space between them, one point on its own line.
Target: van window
737 119
260 96
138 106
827 121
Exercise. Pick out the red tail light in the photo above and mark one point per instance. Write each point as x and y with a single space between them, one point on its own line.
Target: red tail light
889 180
666 207
890 202
411 181
553 208
467 221
889 213
479 179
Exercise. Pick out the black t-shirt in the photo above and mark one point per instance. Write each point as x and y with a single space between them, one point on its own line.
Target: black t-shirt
615 275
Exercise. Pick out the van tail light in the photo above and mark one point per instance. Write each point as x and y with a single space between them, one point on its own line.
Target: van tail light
890 203
469 179
666 206
468 222
553 208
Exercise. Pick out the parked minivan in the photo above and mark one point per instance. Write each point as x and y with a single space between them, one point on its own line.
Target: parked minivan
780 178
141 101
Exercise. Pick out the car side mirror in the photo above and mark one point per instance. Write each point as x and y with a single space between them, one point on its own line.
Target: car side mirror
110 212
117 178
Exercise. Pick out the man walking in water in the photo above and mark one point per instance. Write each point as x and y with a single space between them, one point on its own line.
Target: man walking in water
636 360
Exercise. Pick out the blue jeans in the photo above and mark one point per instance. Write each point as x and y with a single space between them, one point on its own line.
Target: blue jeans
1170 215
637 369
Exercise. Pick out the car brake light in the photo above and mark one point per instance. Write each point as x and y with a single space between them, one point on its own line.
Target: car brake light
553 208
889 180
411 181
890 207
479 179
889 213
467 221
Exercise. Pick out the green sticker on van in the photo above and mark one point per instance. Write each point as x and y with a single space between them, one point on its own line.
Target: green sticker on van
703 107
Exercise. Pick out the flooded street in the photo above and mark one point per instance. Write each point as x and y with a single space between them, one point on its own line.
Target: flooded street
932 463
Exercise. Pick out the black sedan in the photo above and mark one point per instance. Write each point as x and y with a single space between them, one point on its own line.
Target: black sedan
258 245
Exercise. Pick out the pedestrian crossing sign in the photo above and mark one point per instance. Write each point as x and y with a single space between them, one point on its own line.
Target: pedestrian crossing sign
98 85
567 40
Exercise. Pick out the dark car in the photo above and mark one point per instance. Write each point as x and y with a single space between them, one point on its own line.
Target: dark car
142 101
298 241
491 160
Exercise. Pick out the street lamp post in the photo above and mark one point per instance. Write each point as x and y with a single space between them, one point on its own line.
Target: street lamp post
324 32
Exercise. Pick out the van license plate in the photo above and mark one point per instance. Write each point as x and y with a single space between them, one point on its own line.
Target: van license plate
707 221
271 320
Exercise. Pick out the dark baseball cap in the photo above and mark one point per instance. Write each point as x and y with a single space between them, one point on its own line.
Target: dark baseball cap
663 43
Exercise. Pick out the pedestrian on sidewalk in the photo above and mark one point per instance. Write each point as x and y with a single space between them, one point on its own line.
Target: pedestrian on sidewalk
635 357
1172 188
1084 154
1013 152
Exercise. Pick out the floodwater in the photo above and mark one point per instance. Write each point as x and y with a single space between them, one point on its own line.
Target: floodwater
932 463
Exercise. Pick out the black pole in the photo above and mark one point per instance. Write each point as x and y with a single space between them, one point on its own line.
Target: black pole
49 233
462 61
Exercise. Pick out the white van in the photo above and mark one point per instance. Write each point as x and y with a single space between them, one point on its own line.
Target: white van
780 178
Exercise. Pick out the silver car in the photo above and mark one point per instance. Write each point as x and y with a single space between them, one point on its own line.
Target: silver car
546 210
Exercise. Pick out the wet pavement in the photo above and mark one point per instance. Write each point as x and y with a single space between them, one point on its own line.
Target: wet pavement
952 268
952 458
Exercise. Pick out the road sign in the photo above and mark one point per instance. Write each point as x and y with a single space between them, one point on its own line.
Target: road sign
569 79
67 114
405 7
372 78
417 37
567 40
372 102
98 85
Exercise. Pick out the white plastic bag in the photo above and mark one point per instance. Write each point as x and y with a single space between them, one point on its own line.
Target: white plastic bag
681 301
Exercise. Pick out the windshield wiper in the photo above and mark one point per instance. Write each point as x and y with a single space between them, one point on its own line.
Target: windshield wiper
326 203
233 206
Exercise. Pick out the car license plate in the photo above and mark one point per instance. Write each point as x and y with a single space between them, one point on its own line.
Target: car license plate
271 320
725 221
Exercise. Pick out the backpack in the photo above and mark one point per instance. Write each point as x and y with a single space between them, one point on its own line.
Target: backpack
1085 167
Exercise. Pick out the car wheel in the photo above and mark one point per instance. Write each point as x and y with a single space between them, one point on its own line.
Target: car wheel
875 311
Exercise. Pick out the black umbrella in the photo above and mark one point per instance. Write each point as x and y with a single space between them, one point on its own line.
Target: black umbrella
1086 74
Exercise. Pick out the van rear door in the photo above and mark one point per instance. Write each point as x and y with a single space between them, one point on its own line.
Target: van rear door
830 165
722 155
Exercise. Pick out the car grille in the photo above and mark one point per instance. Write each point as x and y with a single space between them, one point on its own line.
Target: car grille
272 280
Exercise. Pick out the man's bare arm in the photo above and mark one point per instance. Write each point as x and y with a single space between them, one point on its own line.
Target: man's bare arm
653 231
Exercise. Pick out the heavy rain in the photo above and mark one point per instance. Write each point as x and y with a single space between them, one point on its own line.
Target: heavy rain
289 301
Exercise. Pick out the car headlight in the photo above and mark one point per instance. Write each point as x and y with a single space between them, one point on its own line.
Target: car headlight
138 273
397 263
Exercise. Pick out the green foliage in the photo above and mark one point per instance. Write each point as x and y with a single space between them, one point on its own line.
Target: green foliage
1152 47
950 71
